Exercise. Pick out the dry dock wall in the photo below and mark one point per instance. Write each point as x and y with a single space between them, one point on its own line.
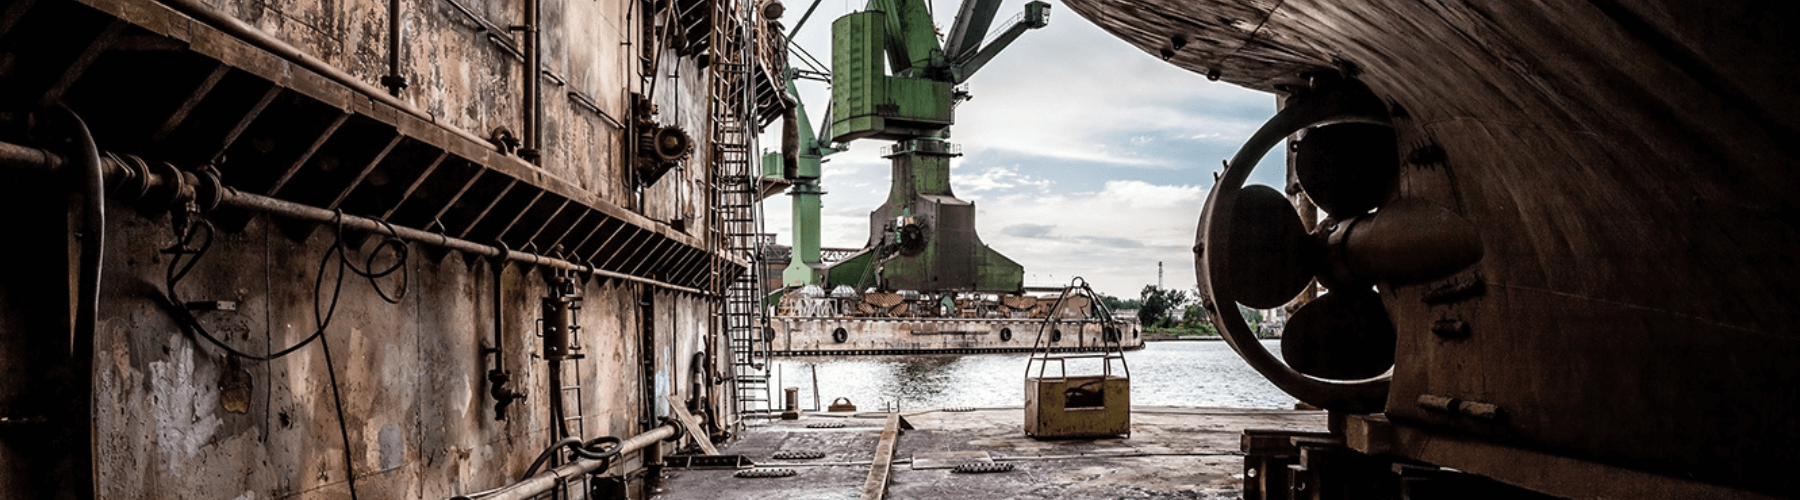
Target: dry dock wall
144 409
175 418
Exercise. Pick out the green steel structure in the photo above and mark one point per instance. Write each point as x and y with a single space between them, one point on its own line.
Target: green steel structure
892 80
807 268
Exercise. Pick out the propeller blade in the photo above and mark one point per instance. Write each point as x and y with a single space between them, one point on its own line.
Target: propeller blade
1343 335
1347 168
1270 249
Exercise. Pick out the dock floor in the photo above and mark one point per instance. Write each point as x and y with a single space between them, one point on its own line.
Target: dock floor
1172 453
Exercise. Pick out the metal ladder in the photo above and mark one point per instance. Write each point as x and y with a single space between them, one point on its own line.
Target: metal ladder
572 412
736 218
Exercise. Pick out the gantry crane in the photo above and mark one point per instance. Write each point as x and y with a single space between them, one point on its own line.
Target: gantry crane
923 237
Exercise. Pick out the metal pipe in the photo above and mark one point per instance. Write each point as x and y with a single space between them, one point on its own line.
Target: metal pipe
93 230
498 377
17 156
303 212
534 105
393 81
535 485
231 25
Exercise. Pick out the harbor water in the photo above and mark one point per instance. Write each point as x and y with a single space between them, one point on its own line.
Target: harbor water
1174 373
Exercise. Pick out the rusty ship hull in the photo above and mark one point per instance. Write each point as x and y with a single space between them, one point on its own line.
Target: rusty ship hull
1628 167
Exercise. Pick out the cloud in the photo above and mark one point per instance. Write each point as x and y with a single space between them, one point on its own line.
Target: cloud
996 178
1028 230
1114 236
1085 155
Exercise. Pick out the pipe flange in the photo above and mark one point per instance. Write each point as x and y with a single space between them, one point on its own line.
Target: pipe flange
133 181
209 190
164 182
680 431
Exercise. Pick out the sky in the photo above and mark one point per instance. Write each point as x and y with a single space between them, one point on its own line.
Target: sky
1084 156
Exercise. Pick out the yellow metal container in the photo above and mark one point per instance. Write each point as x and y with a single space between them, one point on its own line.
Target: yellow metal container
1079 406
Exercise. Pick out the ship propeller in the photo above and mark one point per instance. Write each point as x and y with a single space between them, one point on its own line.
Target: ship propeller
1277 255
1254 249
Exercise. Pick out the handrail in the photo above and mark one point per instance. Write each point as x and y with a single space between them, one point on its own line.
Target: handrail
1110 345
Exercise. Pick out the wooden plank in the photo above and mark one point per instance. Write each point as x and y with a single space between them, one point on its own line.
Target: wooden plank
436 217
420 179
365 172
13 14
476 221
691 424
876 486
643 257
565 234
193 101
514 221
307 155
80 65
540 228
243 124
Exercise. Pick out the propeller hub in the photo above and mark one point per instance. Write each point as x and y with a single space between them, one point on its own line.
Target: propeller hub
1407 241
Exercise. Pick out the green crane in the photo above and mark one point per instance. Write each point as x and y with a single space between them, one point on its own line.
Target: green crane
923 237
807 267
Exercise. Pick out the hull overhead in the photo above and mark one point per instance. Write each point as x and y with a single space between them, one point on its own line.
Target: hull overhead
1628 168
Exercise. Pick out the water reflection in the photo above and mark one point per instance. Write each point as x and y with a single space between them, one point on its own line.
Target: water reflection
1186 374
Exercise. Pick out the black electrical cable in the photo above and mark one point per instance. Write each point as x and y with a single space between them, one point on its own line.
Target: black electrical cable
179 268
184 258
396 245
603 448
337 401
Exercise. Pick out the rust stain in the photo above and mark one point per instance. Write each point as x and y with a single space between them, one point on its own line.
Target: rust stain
234 386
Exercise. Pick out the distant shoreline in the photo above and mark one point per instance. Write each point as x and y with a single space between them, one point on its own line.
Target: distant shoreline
1158 337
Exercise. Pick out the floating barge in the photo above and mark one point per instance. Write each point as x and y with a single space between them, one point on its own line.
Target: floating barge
812 323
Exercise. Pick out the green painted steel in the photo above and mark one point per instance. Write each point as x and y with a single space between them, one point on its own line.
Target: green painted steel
891 80
807 267
946 253
852 271
867 102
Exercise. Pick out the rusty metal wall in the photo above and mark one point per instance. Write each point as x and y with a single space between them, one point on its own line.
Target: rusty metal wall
465 79
177 417
174 417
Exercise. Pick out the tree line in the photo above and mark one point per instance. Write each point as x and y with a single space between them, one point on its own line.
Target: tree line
1157 307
